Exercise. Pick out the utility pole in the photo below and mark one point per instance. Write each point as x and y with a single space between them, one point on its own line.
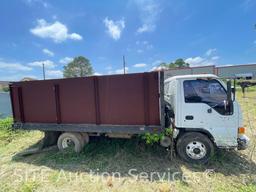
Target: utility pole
124 63
43 71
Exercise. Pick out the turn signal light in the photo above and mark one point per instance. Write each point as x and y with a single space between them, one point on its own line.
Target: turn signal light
241 130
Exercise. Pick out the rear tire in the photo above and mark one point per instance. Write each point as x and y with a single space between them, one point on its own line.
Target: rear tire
85 137
195 148
72 141
50 139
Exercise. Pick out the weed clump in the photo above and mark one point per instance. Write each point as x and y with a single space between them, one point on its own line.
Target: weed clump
7 134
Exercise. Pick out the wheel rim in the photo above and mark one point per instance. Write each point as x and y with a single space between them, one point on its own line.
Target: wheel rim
67 143
196 150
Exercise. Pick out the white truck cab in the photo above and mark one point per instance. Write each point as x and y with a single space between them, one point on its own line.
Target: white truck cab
204 117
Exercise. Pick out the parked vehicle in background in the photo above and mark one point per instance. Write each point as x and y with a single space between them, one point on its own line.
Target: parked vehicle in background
246 84
200 110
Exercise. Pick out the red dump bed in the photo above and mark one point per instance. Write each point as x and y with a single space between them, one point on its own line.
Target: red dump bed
131 99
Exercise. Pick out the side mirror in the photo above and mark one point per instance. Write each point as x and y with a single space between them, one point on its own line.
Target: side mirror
229 91
229 98
233 90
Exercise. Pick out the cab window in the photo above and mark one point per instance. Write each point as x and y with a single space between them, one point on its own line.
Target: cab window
210 92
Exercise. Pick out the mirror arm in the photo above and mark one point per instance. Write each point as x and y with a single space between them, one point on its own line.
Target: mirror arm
229 98
229 90
225 105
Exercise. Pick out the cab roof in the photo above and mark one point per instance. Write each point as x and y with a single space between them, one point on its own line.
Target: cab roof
191 77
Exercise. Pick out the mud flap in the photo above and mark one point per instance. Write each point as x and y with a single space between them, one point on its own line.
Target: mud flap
50 139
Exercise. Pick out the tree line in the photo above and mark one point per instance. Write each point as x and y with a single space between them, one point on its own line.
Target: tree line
81 67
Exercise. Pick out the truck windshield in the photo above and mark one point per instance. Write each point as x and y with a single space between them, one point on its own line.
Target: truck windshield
210 92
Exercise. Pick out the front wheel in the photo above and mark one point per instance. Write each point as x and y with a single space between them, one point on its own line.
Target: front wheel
195 147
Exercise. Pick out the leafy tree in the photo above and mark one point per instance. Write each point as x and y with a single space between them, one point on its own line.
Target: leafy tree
79 67
179 63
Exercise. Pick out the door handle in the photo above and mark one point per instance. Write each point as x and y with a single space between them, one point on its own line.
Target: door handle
189 117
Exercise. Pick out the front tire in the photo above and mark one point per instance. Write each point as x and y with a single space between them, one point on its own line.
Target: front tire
195 148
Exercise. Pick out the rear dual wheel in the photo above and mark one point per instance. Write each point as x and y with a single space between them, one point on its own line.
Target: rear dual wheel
72 141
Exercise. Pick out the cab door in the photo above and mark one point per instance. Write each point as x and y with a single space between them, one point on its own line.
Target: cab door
203 107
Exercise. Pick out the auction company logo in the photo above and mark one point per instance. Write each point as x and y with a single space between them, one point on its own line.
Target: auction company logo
42 174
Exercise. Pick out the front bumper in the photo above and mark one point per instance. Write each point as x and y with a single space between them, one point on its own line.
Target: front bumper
243 142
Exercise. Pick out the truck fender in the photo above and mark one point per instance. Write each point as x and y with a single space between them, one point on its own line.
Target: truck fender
200 130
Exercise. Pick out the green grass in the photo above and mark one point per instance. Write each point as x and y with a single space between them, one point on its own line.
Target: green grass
56 171
6 132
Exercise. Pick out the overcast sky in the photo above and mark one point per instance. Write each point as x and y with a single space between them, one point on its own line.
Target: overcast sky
147 32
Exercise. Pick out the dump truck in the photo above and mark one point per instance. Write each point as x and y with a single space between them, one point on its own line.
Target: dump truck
200 110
